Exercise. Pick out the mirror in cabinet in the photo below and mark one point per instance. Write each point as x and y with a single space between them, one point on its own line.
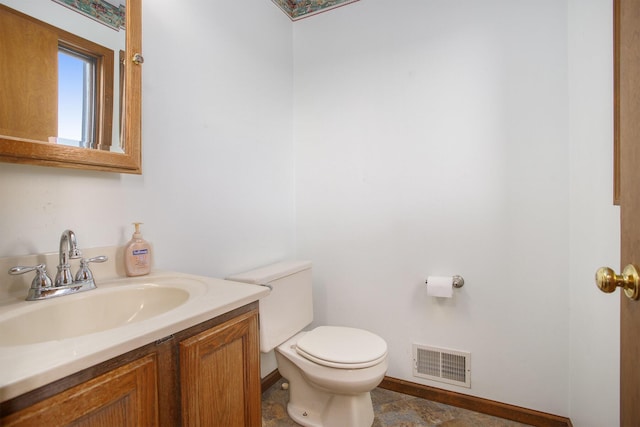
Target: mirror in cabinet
71 83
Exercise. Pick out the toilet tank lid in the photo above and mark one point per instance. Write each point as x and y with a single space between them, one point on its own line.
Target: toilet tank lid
269 273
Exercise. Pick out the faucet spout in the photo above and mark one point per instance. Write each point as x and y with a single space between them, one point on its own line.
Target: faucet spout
68 250
68 247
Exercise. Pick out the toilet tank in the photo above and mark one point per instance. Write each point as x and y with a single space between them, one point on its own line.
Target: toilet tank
289 307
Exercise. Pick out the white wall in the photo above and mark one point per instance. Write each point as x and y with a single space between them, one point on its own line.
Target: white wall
219 102
216 196
433 139
594 225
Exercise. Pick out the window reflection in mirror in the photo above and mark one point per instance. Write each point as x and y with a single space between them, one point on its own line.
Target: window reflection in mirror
76 98
76 107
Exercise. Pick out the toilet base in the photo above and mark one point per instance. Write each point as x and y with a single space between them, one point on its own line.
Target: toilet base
314 405
337 411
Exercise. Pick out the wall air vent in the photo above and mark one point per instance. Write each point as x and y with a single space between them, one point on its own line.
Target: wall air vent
443 365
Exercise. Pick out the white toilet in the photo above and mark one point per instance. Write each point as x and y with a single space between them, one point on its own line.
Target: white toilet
331 369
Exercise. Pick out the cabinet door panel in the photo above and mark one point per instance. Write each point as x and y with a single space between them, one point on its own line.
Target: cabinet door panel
126 396
29 83
220 375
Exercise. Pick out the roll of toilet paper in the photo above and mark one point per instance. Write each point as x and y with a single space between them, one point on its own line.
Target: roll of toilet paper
440 286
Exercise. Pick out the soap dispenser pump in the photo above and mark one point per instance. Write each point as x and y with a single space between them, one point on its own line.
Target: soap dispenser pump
137 254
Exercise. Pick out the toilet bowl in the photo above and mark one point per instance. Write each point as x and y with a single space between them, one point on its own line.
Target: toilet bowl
335 395
331 369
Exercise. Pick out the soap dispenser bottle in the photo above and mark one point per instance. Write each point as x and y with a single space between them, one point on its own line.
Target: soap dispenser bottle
137 254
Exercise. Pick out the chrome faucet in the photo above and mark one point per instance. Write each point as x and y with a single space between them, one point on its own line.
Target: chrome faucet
68 250
43 288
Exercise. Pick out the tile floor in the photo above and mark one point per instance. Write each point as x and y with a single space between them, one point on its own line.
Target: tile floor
391 410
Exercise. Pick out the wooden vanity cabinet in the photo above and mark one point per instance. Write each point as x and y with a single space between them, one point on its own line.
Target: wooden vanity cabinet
207 375
126 396
218 380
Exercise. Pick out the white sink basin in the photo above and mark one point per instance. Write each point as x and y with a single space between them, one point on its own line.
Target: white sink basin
44 341
94 311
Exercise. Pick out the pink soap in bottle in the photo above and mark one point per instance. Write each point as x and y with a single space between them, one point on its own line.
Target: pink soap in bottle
137 254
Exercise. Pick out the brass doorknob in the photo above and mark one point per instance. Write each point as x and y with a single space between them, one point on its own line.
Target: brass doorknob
137 59
607 280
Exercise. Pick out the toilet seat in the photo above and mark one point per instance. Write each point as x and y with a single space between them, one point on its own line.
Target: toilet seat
342 347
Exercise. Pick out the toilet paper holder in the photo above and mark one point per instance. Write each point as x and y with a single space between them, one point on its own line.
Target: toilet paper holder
457 281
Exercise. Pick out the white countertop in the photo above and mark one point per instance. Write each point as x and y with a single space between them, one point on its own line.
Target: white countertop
27 367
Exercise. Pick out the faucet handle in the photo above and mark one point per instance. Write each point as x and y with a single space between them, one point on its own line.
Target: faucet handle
84 273
42 280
